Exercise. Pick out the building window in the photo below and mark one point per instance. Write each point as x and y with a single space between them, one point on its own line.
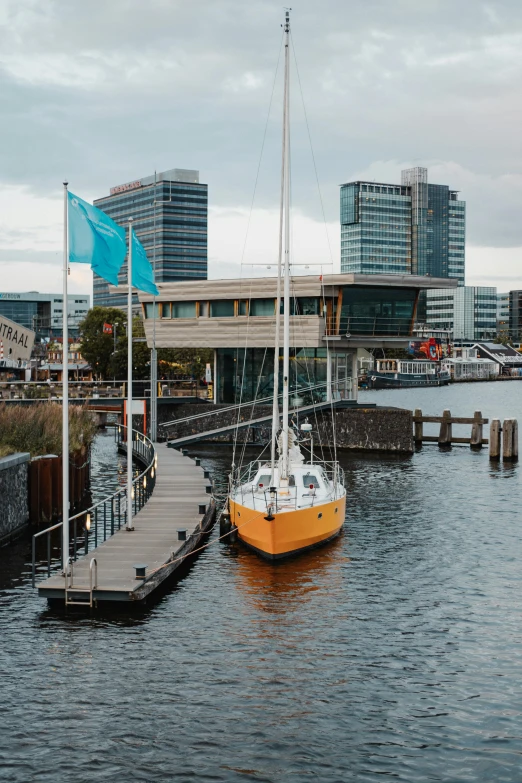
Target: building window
242 308
222 309
183 309
149 311
203 309
165 310
306 305
262 307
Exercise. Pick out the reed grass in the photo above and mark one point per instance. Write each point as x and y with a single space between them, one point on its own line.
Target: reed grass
37 428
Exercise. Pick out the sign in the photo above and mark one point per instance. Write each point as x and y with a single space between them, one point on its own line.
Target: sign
127 186
208 374
107 328
17 341
10 296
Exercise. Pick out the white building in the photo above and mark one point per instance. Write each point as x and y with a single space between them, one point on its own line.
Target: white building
43 313
466 365
469 312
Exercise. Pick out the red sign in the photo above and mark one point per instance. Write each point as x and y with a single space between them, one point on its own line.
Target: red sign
127 186
107 328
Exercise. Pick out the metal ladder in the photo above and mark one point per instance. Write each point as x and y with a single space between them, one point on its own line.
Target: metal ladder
88 591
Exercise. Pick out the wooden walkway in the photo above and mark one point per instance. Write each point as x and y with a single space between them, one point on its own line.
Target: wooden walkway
181 499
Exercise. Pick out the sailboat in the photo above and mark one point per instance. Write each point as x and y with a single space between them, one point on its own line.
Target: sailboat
293 502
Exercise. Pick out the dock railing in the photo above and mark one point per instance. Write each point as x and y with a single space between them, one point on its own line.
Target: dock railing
96 524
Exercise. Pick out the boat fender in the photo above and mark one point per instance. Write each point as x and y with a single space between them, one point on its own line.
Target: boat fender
224 524
233 534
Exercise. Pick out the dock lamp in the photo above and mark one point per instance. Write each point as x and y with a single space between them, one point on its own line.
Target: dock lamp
88 522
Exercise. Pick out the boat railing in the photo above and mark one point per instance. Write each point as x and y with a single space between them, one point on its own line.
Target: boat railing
243 481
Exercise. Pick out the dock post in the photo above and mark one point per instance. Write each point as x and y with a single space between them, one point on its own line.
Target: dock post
417 427
510 441
494 439
445 429
476 431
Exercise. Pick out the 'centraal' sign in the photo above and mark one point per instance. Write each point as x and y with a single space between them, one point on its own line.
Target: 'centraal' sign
16 342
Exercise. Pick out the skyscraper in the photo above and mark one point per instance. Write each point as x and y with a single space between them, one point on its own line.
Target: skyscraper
169 211
412 228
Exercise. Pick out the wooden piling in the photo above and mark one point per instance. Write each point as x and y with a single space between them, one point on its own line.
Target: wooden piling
445 429
476 431
418 427
510 440
494 439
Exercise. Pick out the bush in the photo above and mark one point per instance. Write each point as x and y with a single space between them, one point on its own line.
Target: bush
38 428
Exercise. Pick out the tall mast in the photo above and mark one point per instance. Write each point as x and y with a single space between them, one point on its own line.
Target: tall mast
286 288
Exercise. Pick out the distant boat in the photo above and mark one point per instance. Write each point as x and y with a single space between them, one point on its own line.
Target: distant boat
287 504
406 373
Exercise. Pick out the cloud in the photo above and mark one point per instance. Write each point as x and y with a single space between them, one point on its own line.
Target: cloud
105 92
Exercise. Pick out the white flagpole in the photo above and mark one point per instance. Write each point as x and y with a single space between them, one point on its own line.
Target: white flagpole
129 382
65 394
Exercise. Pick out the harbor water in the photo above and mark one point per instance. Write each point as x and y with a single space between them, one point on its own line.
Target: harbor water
393 652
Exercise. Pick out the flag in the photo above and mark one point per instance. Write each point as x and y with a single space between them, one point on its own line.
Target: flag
142 273
95 239
107 328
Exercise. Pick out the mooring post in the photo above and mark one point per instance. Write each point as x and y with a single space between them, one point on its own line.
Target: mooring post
445 429
494 439
476 431
417 427
510 440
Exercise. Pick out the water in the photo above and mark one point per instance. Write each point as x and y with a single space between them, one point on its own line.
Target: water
394 652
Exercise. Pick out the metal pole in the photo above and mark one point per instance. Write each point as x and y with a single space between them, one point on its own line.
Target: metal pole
65 394
286 290
154 353
129 382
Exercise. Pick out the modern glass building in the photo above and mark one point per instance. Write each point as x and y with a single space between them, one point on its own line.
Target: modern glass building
169 211
469 312
412 228
503 312
515 315
43 313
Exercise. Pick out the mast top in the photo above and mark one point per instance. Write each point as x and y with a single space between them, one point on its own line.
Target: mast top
287 20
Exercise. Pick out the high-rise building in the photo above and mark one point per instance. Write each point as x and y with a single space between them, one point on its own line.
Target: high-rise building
469 312
503 312
43 313
169 211
515 315
412 228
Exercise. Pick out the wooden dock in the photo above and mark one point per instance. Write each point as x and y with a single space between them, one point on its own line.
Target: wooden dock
168 528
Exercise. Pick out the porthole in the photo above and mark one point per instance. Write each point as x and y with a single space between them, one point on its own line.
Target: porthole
336 510
239 514
320 515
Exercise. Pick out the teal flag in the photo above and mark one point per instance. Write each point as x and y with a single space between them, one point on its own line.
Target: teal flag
95 239
142 273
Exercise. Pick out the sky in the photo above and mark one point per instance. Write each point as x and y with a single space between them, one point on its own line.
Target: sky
101 93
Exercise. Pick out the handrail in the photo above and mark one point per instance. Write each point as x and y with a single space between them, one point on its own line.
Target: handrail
108 513
302 389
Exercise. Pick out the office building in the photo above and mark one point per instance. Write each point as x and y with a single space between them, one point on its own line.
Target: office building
331 319
503 312
169 211
468 312
413 228
515 315
43 313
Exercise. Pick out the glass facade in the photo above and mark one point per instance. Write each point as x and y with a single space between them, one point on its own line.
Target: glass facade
413 228
43 313
248 374
170 219
470 312
377 311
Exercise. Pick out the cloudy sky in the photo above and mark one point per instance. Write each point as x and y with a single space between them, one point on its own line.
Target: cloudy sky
105 91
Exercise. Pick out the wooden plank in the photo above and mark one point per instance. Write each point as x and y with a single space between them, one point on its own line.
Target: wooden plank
435 439
452 420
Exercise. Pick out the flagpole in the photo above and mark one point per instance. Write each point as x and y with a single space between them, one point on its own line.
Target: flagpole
129 382
65 395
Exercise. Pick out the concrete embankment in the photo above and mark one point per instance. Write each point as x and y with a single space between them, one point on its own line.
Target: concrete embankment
14 505
356 427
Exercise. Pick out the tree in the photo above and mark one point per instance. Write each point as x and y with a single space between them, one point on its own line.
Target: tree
183 361
97 348
140 354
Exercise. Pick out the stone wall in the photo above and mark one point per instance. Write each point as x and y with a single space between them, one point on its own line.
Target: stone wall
14 501
356 427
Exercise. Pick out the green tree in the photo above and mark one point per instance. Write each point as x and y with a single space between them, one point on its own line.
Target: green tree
140 354
97 348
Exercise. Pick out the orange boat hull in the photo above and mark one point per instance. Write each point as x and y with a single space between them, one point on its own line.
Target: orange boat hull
289 532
